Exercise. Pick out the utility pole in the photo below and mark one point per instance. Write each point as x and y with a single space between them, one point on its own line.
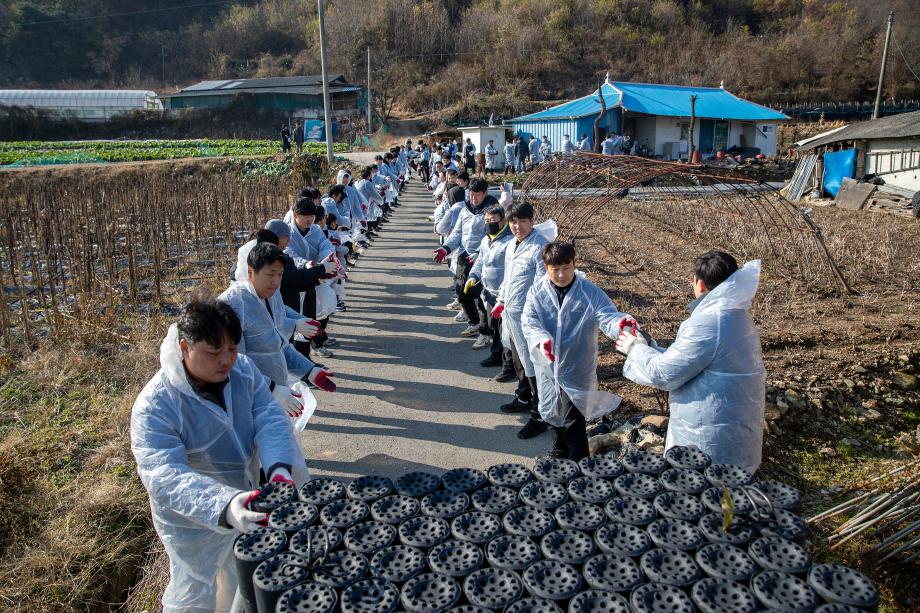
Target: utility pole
370 106
163 61
881 75
327 103
690 146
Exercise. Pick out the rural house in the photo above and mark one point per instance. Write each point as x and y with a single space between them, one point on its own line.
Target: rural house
657 117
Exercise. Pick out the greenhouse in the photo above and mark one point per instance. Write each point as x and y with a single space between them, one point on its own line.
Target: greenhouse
87 105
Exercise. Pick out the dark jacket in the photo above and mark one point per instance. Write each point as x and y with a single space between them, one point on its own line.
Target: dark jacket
295 280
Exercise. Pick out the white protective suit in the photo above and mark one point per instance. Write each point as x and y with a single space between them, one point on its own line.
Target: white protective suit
354 204
523 266
491 156
535 157
510 154
265 337
607 146
489 267
573 330
310 247
374 200
193 458
714 373
567 145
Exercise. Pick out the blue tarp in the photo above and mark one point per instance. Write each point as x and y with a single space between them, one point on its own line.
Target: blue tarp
837 165
665 100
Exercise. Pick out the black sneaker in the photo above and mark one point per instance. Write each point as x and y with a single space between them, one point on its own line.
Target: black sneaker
491 361
515 406
505 375
532 428
558 453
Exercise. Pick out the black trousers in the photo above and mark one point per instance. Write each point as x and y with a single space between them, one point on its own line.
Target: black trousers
497 350
471 302
571 438
527 386
426 174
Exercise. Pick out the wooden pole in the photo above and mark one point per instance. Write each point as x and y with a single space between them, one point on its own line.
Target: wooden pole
691 148
327 103
881 74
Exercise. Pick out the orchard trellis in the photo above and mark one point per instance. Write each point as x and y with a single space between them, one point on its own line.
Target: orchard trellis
742 214
77 251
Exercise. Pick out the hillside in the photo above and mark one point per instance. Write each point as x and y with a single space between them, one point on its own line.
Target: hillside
472 56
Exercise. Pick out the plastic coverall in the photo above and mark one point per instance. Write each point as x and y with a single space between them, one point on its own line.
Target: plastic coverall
714 373
546 149
573 330
311 247
193 457
535 157
491 156
489 267
607 147
567 145
470 228
509 154
523 266
265 336
353 204
374 200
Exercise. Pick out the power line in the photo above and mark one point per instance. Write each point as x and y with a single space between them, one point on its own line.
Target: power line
903 57
129 13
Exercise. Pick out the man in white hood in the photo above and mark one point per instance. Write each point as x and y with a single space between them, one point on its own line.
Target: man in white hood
714 368
200 430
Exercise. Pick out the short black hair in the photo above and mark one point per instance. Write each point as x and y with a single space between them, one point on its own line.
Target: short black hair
336 190
366 172
320 211
714 267
264 236
496 209
558 253
464 175
264 254
479 185
309 192
521 210
331 219
304 206
212 321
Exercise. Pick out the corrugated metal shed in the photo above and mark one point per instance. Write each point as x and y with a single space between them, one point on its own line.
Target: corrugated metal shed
664 100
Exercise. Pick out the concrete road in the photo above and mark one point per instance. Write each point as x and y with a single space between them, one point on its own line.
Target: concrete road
411 393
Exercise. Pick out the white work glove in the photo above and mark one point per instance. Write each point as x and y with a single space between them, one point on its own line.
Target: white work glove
281 474
627 340
239 516
307 327
288 400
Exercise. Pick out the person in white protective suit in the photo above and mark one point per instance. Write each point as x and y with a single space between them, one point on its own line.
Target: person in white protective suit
567 145
714 368
268 325
560 321
523 266
585 144
307 246
535 156
546 148
353 207
200 431
510 153
374 200
491 157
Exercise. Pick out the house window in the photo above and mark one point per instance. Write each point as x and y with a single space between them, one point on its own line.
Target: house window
766 129
720 136
684 131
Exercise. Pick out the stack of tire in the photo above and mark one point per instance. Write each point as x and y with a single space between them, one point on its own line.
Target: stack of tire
644 533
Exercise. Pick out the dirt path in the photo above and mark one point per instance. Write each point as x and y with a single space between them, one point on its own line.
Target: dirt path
412 395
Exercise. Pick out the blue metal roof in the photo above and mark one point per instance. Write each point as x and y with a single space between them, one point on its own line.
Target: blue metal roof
667 100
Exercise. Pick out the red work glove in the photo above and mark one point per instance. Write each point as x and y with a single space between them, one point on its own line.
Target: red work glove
320 378
498 310
440 255
470 259
548 350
